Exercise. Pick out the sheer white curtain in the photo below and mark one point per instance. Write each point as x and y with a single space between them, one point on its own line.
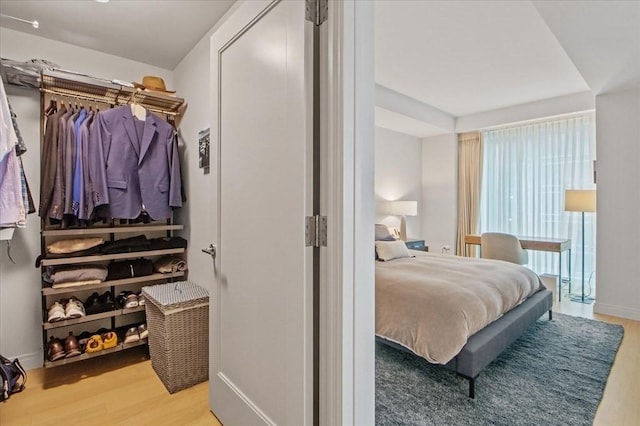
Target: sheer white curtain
526 170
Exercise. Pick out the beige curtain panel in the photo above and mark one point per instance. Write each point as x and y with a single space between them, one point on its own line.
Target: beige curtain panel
469 181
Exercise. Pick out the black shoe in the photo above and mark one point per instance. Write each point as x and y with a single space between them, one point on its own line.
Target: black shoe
92 305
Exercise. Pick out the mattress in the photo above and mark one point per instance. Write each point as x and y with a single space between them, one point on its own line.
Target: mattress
432 303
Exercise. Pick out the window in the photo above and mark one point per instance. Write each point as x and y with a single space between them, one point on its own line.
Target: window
526 170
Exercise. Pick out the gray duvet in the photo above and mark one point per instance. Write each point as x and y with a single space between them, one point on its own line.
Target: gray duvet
432 303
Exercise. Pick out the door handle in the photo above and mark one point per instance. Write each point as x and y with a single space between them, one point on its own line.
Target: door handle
211 251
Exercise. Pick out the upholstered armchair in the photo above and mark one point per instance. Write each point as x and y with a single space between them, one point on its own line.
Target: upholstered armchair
495 245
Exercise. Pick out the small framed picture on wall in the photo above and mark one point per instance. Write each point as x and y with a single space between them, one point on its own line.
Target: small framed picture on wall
204 139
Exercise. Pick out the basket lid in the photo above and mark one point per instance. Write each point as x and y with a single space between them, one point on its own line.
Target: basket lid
174 295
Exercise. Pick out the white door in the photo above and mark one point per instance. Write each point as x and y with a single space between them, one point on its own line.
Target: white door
261 368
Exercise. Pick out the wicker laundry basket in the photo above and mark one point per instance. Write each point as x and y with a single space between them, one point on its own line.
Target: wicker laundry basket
178 324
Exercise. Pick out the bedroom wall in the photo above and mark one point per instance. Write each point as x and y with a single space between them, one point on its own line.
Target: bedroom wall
20 318
439 191
398 175
618 175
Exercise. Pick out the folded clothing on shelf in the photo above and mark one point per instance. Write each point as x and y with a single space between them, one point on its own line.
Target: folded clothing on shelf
74 245
87 252
167 243
89 246
127 245
76 273
169 264
130 268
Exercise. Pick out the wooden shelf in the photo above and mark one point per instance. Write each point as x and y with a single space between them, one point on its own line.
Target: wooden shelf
88 318
47 291
101 257
85 356
110 230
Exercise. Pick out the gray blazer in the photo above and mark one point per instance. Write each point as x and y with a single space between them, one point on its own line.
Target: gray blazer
133 170
49 157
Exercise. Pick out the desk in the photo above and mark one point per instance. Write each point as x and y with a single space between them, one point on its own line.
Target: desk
556 245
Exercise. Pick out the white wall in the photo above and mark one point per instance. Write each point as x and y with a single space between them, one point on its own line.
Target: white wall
192 82
439 191
398 175
618 176
20 302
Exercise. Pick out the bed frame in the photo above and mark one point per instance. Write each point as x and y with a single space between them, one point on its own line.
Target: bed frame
484 346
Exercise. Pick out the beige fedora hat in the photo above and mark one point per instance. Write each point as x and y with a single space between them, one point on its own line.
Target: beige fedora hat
153 83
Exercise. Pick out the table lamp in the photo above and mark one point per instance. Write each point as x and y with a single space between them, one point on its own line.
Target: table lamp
580 200
402 209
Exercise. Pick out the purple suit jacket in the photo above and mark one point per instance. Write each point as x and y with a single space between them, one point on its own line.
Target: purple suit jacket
132 175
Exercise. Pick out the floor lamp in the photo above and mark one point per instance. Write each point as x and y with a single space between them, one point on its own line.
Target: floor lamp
402 209
580 200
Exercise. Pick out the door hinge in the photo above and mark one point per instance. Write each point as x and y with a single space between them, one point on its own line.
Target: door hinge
316 231
317 11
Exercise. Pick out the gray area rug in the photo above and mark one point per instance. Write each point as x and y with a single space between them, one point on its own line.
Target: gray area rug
553 375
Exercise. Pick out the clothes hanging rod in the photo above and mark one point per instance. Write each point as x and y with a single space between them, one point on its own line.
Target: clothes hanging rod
114 102
34 24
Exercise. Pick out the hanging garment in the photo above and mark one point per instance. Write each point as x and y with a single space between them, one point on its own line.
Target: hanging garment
8 137
21 148
84 190
135 166
56 207
49 161
70 159
78 163
12 209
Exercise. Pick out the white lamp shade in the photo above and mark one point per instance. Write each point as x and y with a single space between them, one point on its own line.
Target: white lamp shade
580 200
399 208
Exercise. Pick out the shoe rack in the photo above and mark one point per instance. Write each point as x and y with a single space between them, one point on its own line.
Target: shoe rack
49 295
72 87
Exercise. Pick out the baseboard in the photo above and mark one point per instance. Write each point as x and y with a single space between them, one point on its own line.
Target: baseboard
616 311
30 361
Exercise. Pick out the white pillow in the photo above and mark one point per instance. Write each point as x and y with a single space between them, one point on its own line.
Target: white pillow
389 250
382 233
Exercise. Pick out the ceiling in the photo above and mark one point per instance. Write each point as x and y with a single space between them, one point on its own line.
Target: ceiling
445 58
469 57
158 33
454 55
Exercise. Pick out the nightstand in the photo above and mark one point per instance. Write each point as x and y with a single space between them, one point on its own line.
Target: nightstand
416 245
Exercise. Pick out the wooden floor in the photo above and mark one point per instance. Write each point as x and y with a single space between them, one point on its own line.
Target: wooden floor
123 389
117 389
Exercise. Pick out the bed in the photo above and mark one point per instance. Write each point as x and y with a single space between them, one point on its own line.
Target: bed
456 311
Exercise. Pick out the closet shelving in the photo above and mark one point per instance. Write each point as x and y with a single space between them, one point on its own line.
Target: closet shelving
93 89
119 347
71 86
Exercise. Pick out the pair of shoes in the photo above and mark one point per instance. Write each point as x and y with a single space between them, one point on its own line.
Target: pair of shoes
97 341
135 334
58 350
129 299
97 304
65 309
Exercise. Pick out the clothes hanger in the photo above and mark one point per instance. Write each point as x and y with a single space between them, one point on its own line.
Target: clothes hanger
51 108
138 111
